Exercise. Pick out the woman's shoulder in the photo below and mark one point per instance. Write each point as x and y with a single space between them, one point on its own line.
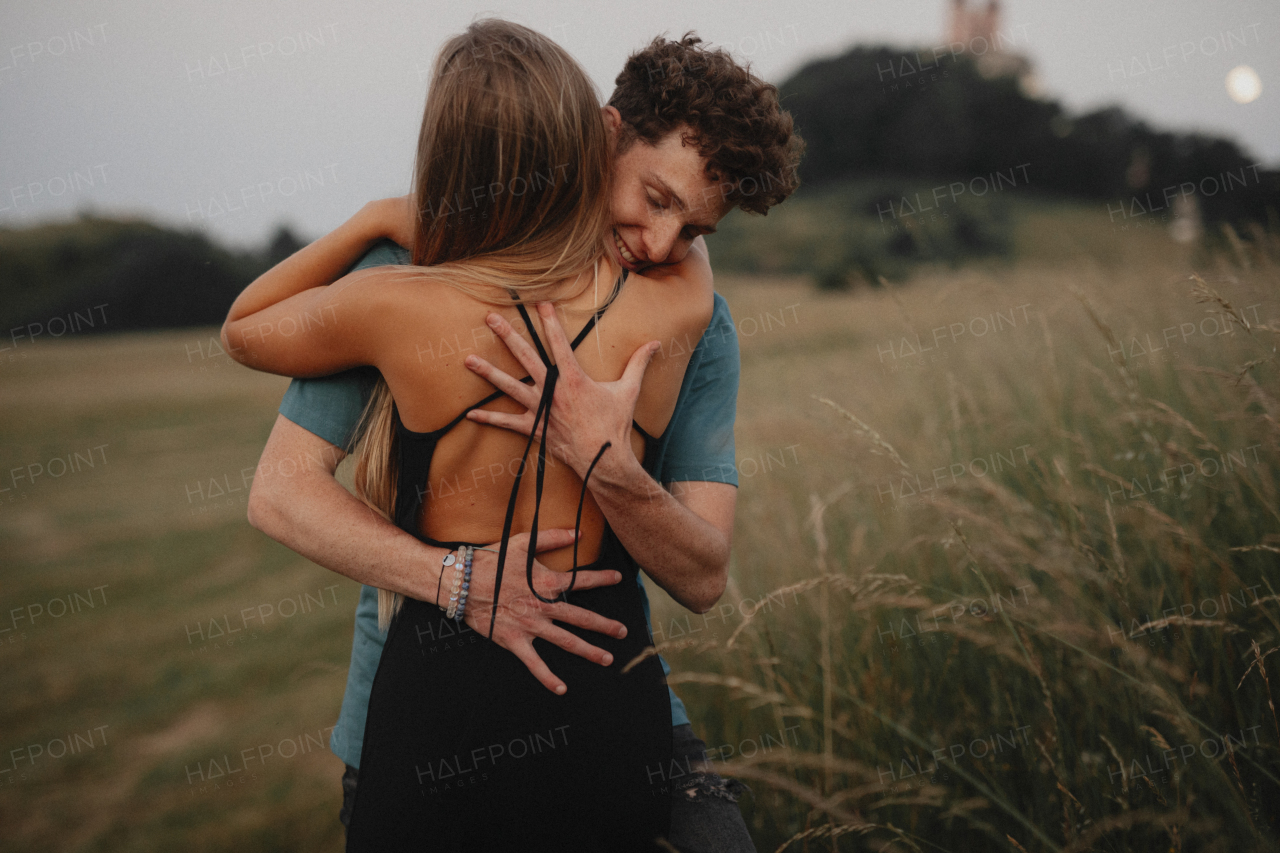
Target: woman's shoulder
407 288
397 279
683 291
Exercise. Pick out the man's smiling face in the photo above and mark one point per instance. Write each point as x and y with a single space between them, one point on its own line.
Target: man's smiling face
662 199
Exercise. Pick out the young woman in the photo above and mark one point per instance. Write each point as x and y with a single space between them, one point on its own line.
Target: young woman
510 209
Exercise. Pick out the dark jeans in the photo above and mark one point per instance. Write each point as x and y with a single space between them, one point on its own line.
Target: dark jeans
704 806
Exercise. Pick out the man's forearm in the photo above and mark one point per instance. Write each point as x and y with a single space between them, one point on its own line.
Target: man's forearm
682 543
340 533
310 512
685 553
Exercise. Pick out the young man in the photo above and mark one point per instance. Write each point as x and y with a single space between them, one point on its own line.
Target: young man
695 135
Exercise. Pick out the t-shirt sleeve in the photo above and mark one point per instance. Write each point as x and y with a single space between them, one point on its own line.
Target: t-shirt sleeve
699 441
330 406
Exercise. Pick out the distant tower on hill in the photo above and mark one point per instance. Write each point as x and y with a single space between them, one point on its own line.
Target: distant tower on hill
973 23
977 30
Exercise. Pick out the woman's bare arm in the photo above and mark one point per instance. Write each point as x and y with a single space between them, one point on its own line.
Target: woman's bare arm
317 331
325 260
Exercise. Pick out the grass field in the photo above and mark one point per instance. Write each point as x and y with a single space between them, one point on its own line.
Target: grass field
984 599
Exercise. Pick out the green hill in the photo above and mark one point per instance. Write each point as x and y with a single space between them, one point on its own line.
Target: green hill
129 274
881 110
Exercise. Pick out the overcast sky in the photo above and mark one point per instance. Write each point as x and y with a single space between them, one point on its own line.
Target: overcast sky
236 116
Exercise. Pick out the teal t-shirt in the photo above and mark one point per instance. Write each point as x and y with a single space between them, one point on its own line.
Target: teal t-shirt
697 446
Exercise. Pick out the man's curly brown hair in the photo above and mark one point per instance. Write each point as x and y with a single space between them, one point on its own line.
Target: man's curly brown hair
732 117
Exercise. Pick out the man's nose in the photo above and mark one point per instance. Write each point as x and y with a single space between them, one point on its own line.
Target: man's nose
661 239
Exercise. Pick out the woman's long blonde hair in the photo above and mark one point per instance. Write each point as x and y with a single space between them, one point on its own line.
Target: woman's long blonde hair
511 196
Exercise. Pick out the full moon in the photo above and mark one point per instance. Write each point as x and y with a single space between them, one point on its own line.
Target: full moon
1243 84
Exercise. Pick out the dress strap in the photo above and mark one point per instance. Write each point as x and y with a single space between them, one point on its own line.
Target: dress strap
583 332
636 426
541 422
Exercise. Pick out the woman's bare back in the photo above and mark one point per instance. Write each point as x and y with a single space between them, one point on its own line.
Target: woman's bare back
432 327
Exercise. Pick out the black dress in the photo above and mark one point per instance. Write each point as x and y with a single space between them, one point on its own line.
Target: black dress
464 750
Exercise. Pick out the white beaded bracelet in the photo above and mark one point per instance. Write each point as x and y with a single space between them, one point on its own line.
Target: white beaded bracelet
455 590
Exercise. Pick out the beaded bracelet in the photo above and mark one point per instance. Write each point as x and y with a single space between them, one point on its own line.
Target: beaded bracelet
466 581
455 590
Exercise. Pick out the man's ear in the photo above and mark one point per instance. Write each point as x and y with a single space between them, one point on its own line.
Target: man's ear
612 121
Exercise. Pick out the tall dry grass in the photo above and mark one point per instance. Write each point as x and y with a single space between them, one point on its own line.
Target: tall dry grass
1067 647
